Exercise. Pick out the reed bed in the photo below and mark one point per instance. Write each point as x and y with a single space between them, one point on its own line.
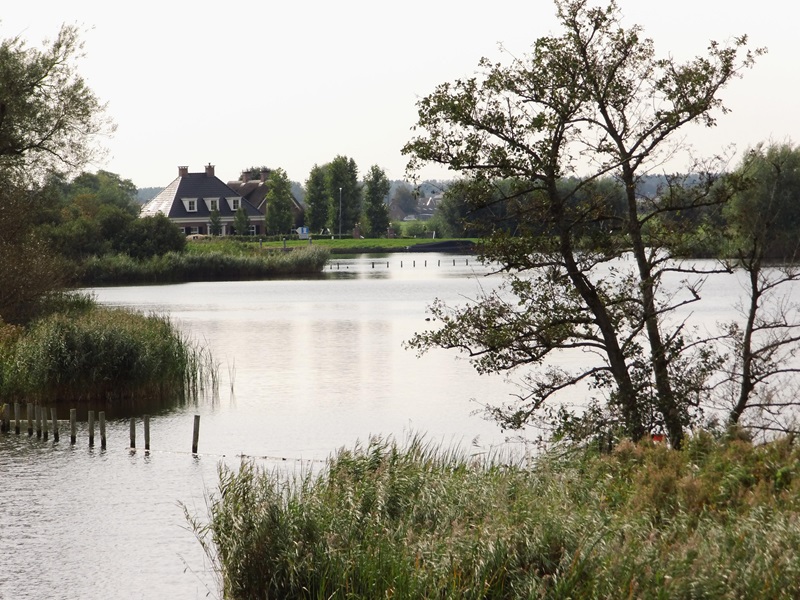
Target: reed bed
176 267
715 520
102 355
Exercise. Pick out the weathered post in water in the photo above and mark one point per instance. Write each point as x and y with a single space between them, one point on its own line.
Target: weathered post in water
102 416
73 430
38 417
44 423
17 416
91 429
55 423
3 418
147 432
30 419
196 434
133 432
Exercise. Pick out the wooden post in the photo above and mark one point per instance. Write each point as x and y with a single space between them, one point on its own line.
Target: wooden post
102 416
17 410
91 429
196 434
147 432
30 419
43 412
133 432
55 423
73 431
2 418
38 417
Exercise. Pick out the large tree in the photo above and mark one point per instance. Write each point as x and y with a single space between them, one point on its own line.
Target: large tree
345 193
49 118
279 203
376 213
317 199
590 103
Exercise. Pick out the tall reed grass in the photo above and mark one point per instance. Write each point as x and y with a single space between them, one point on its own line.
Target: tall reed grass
201 266
102 355
715 520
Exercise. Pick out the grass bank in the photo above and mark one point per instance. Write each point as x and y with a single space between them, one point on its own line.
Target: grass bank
225 263
334 246
717 519
100 355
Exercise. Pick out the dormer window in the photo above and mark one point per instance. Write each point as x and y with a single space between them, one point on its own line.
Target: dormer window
213 204
191 206
235 204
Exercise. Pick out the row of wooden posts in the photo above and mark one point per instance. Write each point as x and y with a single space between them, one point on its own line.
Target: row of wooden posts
413 263
37 418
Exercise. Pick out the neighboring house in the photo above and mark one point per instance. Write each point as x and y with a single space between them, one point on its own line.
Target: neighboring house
255 192
189 200
426 208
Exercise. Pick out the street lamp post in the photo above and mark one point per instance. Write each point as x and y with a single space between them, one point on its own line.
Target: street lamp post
340 213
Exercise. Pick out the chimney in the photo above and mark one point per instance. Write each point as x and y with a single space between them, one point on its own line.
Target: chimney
244 177
209 170
264 175
183 171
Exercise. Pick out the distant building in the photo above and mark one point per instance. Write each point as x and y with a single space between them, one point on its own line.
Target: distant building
191 198
255 190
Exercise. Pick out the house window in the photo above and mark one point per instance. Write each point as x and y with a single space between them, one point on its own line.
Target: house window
214 205
192 206
253 230
235 204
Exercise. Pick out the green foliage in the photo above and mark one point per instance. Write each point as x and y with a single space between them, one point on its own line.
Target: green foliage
341 177
765 211
214 223
279 203
414 229
318 200
49 115
714 520
241 222
376 213
28 270
152 236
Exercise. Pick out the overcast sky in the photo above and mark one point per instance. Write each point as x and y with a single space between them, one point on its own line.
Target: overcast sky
292 84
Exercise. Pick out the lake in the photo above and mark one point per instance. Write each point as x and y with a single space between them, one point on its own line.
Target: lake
306 366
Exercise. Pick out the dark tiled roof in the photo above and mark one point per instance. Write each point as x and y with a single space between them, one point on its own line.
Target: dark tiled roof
200 187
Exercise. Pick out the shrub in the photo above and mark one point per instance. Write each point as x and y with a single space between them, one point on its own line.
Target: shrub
103 355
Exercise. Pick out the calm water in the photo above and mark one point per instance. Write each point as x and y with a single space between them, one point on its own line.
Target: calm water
306 366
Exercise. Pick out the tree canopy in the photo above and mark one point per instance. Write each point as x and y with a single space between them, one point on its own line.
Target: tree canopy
49 121
49 118
279 203
592 102
376 213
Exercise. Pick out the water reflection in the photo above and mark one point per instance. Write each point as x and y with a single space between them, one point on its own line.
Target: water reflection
306 366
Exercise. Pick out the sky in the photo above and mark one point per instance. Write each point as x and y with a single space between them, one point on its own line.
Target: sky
293 84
